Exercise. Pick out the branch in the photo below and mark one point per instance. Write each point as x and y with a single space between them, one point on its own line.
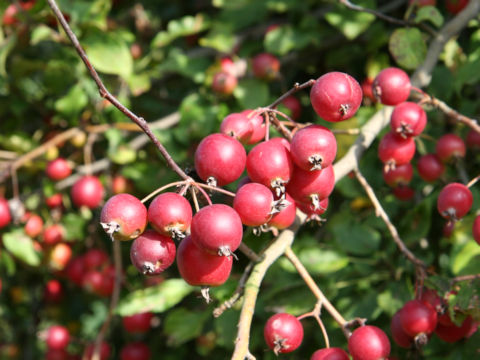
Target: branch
422 75
464 278
252 286
104 93
380 212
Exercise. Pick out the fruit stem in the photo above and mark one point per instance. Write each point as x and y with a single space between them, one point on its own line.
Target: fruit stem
160 189
303 272
296 87
315 313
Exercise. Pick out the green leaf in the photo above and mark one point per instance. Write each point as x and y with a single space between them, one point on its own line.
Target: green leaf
251 93
284 39
466 260
73 102
221 39
177 61
139 83
408 47
122 155
5 47
74 225
156 299
429 13
354 237
184 26
21 246
351 23
182 325
319 261
7 263
109 53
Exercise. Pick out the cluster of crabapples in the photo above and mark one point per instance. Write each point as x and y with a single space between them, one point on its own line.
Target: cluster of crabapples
397 148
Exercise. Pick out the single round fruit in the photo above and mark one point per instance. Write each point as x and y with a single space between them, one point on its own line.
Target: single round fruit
336 96
238 126
199 268
310 187
313 147
57 354
58 337
283 333
368 343
455 6
286 216
254 204
450 332
217 229
95 259
408 119
392 86
473 140
135 351
59 256
367 90
170 214
221 158
120 184
265 66
403 192
450 146
294 106
454 201
53 234
401 175
398 334
417 317
312 213
54 201
476 229
431 297
430 168
224 83
5 216
269 163
53 292
123 217
138 323
257 124
34 225
151 253
332 353
394 150
58 169
87 191
75 270
104 351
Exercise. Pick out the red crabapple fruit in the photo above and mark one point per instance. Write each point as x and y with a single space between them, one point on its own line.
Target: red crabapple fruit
368 343
265 66
394 150
238 126
224 83
336 96
294 105
392 86
58 169
333 353
138 323
258 126
170 214
123 217
408 119
430 168
401 175
87 191
454 201
283 333
254 204
5 216
450 146
455 6
286 216
418 317
398 334
135 351
151 253
58 337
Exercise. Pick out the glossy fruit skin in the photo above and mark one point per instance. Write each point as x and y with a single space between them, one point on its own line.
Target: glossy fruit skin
450 146
34 225
104 351
308 209
135 351
87 191
170 212
395 150
58 337
398 334
257 124
418 317
5 216
454 201
53 234
128 213
265 66
305 184
285 217
401 175
368 343
455 6
224 83
268 162
431 297
332 353
336 96
221 157
430 168
199 268
449 332
138 323
53 292
294 105
216 228
392 86
408 119
368 90
152 253
58 169
285 328
253 203
473 140
476 229
238 126
313 141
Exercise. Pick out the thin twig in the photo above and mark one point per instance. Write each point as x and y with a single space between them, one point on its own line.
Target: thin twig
473 181
465 278
104 93
117 260
252 255
315 313
160 189
380 212
296 88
